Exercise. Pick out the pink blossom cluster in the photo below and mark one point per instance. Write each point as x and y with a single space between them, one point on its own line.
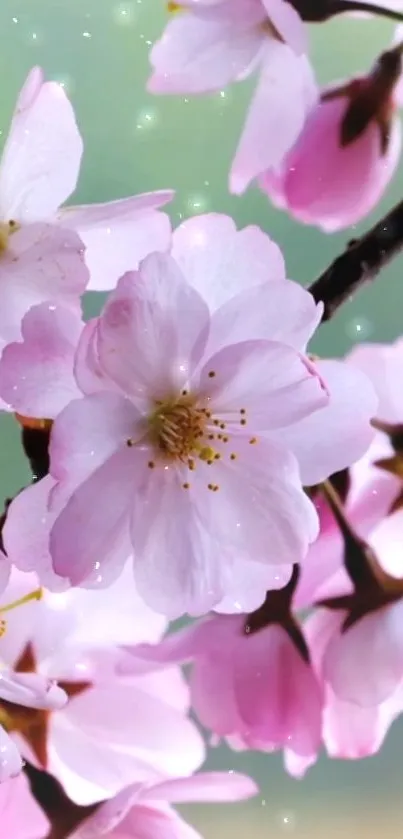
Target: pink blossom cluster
196 460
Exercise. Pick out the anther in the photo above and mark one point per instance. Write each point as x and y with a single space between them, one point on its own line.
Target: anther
232 456
222 425
129 442
151 464
186 486
242 411
225 439
211 374
253 440
243 421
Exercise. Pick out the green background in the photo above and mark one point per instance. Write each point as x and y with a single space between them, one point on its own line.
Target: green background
135 142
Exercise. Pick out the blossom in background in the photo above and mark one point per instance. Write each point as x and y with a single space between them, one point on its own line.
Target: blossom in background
20 815
253 687
346 153
145 811
39 170
114 730
208 45
183 425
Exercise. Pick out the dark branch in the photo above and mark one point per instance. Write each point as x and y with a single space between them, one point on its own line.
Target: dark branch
361 262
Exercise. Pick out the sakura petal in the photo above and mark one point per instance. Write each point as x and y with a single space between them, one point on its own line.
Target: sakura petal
204 786
43 263
91 529
271 382
118 234
153 330
149 821
5 568
247 583
352 404
31 690
21 816
284 95
255 311
10 758
364 665
288 24
41 159
159 534
260 508
220 261
382 363
26 533
36 375
198 54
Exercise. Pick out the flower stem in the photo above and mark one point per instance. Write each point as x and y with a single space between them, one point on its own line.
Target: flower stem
360 263
340 6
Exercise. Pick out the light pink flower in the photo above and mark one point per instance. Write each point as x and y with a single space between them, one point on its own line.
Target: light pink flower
256 689
145 811
20 815
114 730
39 170
345 155
104 437
208 45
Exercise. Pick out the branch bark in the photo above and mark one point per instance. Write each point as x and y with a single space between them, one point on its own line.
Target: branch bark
360 263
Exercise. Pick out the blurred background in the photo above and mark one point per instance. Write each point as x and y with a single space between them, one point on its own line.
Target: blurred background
135 142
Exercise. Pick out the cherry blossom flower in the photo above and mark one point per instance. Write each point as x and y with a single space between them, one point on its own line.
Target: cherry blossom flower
204 347
346 153
145 811
95 745
350 731
20 815
208 45
251 682
39 170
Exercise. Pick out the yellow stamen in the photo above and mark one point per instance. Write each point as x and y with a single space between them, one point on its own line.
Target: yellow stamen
174 7
33 595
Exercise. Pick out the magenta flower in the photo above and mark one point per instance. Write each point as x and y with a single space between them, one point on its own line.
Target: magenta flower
39 170
95 745
208 45
20 815
144 811
346 153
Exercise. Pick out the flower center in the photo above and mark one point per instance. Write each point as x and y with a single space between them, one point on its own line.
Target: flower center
177 429
6 228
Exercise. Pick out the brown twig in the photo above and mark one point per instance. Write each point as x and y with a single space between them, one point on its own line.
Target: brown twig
360 263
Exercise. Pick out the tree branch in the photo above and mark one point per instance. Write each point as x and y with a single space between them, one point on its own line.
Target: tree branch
361 262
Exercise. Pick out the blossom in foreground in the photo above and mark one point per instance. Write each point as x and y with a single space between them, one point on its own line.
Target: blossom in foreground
145 811
208 45
194 393
20 815
39 170
346 153
95 745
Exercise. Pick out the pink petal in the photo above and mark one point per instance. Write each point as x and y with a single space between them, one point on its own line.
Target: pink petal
277 692
26 533
220 261
255 311
260 508
5 568
288 24
41 158
386 539
176 560
364 665
36 375
382 363
203 53
204 786
91 531
270 381
247 583
284 95
87 370
118 234
31 690
10 758
21 816
43 263
339 432
153 330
